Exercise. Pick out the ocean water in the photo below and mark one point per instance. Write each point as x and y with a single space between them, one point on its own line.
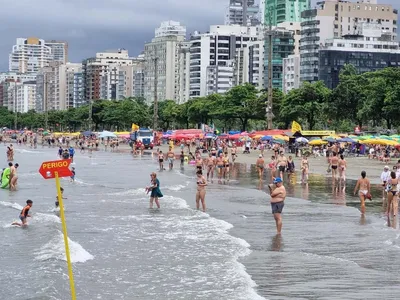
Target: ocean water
122 250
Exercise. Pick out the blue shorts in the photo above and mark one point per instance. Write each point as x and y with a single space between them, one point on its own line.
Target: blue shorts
277 207
22 218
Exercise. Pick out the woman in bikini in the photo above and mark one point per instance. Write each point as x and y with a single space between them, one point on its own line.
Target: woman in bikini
161 160
233 153
201 191
210 166
392 194
220 166
199 163
272 167
364 188
227 165
304 169
342 163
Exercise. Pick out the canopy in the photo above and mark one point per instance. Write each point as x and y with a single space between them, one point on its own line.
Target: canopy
301 140
281 137
346 140
266 138
317 142
379 142
87 133
106 134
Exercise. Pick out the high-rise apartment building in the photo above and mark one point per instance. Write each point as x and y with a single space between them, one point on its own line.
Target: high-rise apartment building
162 62
48 88
67 73
366 51
25 97
59 50
218 60
291 73
183 89
335 19
103 74
29 55
243 13
278 11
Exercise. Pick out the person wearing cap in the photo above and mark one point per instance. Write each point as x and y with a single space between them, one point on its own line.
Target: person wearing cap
260 166
278 195
384 179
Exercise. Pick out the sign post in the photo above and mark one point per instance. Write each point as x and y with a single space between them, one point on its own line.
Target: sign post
56 169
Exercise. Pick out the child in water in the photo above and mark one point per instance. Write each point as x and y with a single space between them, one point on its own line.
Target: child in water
57 202
73 174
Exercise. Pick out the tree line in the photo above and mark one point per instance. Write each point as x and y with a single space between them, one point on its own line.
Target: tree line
369 99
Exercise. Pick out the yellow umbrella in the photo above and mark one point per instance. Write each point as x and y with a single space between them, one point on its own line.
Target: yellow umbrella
258 136
281 137
379 142
317 142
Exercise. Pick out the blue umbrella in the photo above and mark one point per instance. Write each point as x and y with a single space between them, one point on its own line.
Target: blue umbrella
346 140
330 140
87 133
266 138
232 132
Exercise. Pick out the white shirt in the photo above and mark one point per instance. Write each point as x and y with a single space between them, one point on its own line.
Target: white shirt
385 176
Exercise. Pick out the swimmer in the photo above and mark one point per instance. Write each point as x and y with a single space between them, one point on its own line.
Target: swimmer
210 166
201 191
24 214
57 203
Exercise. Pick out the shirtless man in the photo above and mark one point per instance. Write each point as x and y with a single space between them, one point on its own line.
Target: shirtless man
281 163
260 166
233 152
334 160
199 163
210 166
278 195
364 188
170 157
220 166
13 177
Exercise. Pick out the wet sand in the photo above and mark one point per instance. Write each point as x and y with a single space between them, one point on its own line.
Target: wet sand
317 165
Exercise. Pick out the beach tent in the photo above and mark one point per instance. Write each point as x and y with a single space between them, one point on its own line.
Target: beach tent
301 140
107 134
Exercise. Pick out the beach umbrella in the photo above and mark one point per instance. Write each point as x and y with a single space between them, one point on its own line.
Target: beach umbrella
87 133
106 134
281 137
301 140
45 133
346 140
266 138
278 141
317 142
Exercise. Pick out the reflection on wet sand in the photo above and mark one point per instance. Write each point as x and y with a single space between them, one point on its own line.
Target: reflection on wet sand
276 243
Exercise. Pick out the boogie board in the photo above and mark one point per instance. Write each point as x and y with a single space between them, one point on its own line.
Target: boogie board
6 178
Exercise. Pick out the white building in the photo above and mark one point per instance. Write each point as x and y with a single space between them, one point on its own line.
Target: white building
218 60
59 50
168 28
48 88
184 73
103 75
243 13
29 55
291 73
162 64
26 97
13 76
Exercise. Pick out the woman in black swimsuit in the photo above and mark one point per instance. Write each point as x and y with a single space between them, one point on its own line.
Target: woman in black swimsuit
392 205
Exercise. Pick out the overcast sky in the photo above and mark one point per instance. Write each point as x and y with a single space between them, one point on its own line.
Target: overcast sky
91 26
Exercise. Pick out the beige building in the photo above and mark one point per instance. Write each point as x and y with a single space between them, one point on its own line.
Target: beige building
335 19
48 88
162 58
66 81
59 50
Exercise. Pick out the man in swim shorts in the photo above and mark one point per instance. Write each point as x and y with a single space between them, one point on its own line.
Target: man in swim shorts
278 195
170 157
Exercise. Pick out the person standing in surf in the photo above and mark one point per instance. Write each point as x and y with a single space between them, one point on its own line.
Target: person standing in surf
278 196
260 166
155 190
161 160
201 191
363 187
13 177
392 202
57 201
210 166
71 153
170 157
24 214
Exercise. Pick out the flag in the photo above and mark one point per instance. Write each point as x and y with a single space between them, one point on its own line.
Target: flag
135 127
296 127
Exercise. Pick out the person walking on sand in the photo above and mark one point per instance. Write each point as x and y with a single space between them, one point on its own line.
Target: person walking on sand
334 160
201 191
155 190
278 196
281 164
385 175
305 166
260 166
272 167
170 157
342 163
210 166
392 194
363 187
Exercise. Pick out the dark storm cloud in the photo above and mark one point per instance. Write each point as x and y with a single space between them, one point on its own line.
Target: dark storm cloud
91 26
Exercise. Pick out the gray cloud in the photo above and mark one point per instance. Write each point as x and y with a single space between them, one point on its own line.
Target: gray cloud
90 26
